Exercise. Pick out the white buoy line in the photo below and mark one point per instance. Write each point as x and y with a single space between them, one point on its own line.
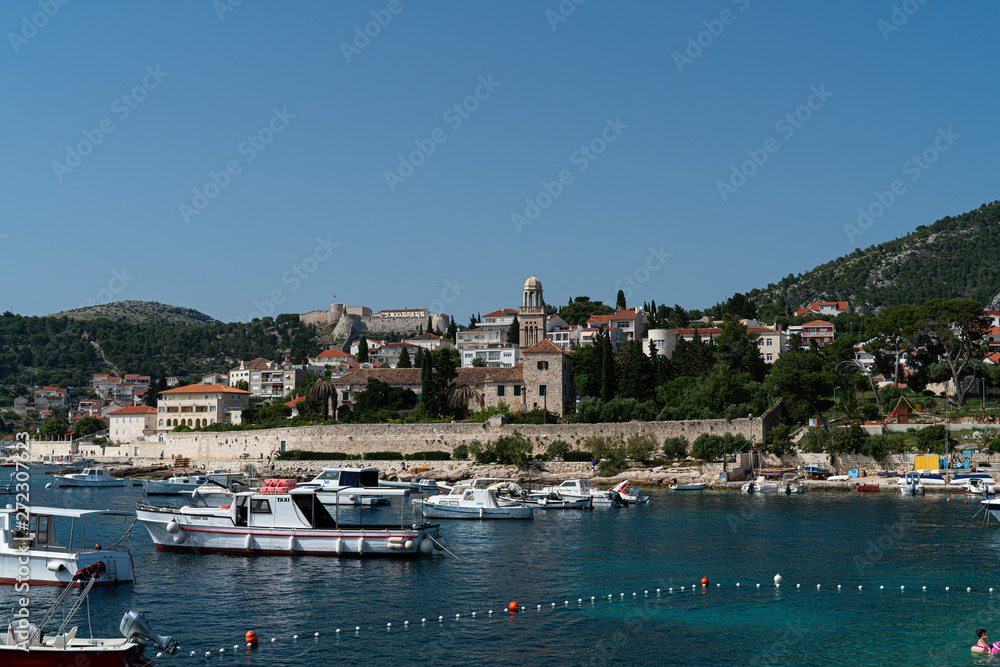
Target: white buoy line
520 608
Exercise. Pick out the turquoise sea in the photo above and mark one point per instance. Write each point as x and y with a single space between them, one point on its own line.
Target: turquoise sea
567 557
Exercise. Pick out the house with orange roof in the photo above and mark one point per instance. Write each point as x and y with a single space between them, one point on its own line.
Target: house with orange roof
131 424
631 321
332 358
269 379
197 405
820 331
498 319
430 341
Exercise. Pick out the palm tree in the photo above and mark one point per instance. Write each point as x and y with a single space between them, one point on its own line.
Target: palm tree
324 391
463 394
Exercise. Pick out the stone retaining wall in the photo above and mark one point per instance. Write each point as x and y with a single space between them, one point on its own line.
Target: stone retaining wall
402 438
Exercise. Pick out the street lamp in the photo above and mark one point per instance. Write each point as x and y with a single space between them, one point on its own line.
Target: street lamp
835 402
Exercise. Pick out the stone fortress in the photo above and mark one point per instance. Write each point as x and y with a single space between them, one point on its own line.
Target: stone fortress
352 319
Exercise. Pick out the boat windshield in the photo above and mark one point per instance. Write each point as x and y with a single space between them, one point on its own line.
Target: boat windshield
329 474
314 512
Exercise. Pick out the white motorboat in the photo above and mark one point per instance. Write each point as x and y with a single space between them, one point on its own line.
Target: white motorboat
90 477
26 643
465 502
759 485
174 485
977 486
364 483
963 478
911 484
625 494
39 536
580 489
690 486
296 523
791 483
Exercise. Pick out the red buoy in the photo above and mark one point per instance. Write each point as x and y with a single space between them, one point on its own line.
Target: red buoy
704 581
251 638
512 607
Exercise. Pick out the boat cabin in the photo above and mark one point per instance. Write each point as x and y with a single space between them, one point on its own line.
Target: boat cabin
40 533
344 477
93 475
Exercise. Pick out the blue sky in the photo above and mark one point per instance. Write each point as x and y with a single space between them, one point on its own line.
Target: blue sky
246 159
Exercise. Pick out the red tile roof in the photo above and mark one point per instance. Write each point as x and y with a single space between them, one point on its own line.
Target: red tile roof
818 323
544 346
503 312
205 389
134 410
513 374
333 353
295 401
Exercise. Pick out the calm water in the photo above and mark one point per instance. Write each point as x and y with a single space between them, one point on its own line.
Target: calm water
209 602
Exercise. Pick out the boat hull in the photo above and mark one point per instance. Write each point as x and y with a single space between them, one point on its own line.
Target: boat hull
58 568
48 656
688 487
433 511
64 482
163 488
204 538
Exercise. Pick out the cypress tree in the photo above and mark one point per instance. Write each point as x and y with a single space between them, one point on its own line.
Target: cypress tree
363 350
515 332
404 359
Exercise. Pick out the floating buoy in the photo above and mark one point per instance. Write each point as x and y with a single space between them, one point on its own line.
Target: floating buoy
423 620
337 631
512 607
682 588
925 588
672 590
758 585
817 586
458 615
737 584
991 590
966 502
968 590
860 587
49 486
357 628
473 614
777 579
881 588
208 654
838 587
388 625
947 588
251 638
657 590
798 585
902 588
274 639
406 622
947 500
317 634
704 581
296 636
440 618
236 647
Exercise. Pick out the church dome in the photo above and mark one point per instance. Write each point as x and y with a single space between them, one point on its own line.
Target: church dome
532 283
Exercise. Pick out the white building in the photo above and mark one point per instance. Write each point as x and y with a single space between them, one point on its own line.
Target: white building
131 424
499 356
197 405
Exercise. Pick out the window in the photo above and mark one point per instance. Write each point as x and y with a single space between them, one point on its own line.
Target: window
500 390
161 422
260 506
541 390
345 398
543 365
517 390
211 408
769 342
770 357
161 409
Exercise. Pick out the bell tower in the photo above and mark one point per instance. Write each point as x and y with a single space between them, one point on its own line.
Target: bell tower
532 316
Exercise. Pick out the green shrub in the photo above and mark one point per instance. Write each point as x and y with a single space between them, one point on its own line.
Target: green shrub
557 449
640 447
304 455
428 456
460 452
513 449
577 455
711 447
675 448
383 456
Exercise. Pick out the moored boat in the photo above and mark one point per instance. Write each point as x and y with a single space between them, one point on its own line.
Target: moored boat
759 485
364 483
979 487
580 489
295 523
465 502
626 494
38 535
173 485
90 477
911 484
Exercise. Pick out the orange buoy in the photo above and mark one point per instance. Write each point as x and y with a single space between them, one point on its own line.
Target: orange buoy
966 502
251 638
947 500
512 607
704 581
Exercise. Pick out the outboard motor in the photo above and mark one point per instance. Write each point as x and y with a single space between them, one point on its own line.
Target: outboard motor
134 624
616 498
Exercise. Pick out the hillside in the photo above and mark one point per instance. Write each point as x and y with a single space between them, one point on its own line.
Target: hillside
954 257
140 312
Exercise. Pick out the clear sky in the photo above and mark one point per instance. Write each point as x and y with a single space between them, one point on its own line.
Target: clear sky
224 156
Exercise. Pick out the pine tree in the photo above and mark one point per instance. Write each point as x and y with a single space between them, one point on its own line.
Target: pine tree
363 350
607 368
404 359
452 330
514 332
620 303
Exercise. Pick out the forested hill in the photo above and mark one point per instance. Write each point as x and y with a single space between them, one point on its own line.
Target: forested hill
64 352
954 257
140 312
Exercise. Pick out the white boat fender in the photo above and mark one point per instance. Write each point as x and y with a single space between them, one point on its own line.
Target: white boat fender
361 545
408 545
353 498
180 537
173 527
248 541
338 546
48 485
396 539
291 543
426 546
53 566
